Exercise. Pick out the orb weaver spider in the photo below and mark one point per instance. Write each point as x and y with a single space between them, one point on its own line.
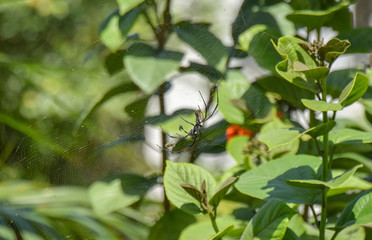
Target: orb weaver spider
196 131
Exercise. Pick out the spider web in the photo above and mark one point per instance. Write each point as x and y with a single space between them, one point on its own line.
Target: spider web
54 148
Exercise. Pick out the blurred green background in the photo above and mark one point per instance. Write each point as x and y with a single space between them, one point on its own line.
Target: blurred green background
51 69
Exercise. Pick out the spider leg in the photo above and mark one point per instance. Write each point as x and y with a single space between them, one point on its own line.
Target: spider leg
162 148
205 106
179 136
187 121
214 110
192 144
181 129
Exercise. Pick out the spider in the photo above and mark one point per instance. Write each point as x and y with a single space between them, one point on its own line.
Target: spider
196 131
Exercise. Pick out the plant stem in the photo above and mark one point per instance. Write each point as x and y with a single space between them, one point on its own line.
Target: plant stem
161 37
213 216
163 142
325 168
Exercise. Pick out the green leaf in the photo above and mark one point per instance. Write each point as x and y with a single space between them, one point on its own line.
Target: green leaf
232 89
137 109
268 181
206 70
203 230
282 136
338 80
310 73
262 50
340 159
177 219
347 135
114 62
235 148
290 235
221 191
360 39
222 232
115 28
149 68
179 173
322 106
280 144
270 222
126 5
247 36
202 40
193 191
286 90
359 211
258 105
321 129
354 90
320 18
333 49
292 52
109 197
332 184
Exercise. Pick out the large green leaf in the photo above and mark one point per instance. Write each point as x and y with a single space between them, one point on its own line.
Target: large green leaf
115 28
177 219
268 181
230 92
270 222
202 40
149 68
282 136
359 39
109 197
280 144
180 173
292 52
354 90
332 184
352 183
337 80
322 106
320 18
347 135
359 211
